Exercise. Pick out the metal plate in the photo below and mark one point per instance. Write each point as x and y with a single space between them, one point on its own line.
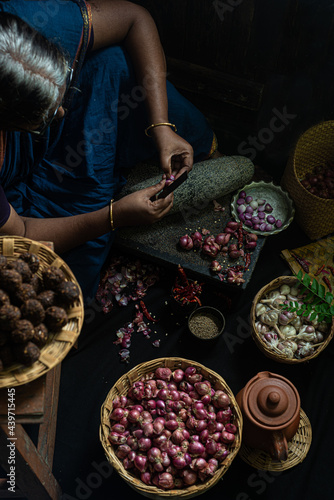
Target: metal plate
283 207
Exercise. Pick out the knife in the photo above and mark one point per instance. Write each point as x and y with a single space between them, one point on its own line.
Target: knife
171 187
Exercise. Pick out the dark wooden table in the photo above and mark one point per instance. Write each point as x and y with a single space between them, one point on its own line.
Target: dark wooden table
34 403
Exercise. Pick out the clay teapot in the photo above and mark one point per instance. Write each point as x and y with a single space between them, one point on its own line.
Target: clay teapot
270 405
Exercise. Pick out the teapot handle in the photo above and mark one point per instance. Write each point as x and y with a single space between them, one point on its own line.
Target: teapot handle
279 446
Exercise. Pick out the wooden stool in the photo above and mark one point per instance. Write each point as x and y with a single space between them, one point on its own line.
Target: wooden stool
35 403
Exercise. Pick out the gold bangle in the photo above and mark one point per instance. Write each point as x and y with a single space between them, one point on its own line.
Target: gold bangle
111 216
159 125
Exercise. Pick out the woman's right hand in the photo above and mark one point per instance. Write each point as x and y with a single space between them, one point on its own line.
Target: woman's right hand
137 208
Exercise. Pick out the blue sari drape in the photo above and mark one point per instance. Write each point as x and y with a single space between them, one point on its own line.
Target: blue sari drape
81 163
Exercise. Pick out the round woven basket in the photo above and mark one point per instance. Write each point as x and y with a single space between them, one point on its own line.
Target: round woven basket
315 147
276 283
122 387
59 343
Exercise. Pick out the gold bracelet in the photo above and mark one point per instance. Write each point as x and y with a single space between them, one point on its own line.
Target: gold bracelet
111 216
159 125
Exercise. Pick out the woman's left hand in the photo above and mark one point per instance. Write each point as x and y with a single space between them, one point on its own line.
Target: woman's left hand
176 155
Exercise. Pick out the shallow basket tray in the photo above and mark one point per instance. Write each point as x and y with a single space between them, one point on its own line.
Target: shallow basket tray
122 387
314 147
60 343
276 283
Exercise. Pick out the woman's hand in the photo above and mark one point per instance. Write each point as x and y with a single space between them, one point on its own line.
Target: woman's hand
176 154
137 208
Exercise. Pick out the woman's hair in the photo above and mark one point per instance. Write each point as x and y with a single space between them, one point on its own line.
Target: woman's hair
33 72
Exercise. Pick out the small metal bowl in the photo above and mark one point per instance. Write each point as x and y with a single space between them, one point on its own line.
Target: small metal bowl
206 323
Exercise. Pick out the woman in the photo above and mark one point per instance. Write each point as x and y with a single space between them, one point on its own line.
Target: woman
80 83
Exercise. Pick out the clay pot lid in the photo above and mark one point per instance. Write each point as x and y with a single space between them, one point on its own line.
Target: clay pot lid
272 400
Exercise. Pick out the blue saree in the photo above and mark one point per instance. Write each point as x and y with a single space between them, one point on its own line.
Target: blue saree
82 162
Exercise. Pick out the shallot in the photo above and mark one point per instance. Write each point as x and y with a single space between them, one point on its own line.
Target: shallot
254 214
186 242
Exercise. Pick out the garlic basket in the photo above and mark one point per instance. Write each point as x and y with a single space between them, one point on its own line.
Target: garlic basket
291 343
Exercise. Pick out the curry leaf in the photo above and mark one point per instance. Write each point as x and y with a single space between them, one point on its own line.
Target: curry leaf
315 302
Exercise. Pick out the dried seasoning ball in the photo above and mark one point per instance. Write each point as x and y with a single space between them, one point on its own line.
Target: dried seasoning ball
3 261
41 335
33 311
10 280
55 318
22 268
6 355
27 353
9 314
32 260
36 283
52 277
25 292
4 298
23 331
67 293
47 298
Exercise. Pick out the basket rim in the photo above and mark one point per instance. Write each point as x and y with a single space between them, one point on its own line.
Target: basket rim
19 374
106 408
259 342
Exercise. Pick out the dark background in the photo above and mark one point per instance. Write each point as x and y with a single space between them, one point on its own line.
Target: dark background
243 62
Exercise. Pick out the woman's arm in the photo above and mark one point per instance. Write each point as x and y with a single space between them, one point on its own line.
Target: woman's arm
122 22
70 232
118 21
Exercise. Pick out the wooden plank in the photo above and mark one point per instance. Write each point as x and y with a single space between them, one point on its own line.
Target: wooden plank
29 402
219 86
32 475
47 430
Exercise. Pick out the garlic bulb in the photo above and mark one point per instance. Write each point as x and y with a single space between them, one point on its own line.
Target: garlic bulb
285 350
271 338
261 328
260 309
297 323
288 331
284 289
304 349
290 344
269 318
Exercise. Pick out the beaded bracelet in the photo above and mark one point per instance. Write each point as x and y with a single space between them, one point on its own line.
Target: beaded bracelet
159 125
111 216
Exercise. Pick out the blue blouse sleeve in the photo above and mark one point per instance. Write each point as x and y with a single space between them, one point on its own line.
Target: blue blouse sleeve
4 207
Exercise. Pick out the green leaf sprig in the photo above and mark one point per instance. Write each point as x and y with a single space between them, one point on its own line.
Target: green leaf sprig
317 301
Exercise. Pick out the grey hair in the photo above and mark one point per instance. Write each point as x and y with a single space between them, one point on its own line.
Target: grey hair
33 73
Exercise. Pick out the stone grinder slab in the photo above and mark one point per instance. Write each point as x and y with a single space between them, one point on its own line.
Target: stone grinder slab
193 209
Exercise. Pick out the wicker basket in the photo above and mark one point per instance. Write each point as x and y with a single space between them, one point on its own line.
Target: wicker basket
314 215
59 343
122 387
276 283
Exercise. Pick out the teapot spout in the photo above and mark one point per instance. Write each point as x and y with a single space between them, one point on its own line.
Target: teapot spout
279 447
